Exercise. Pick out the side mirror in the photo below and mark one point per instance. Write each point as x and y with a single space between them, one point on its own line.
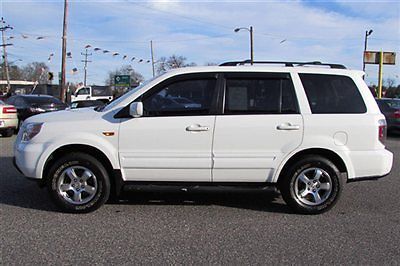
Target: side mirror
136 109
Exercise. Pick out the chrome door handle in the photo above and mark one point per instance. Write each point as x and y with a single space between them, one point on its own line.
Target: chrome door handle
197 128
288 126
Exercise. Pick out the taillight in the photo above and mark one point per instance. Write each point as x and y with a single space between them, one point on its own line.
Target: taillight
9 110
382 130
396 114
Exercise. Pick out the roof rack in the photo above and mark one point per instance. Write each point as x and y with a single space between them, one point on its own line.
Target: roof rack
288 64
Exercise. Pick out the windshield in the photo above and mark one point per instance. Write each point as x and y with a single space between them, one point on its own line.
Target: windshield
394 103
1 102
116 101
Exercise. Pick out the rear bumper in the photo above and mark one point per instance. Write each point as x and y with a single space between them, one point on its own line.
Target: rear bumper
371 164
8 123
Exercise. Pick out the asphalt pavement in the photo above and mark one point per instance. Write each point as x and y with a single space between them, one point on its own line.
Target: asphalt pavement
200 228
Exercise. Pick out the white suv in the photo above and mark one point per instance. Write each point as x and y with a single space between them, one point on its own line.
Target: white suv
306 128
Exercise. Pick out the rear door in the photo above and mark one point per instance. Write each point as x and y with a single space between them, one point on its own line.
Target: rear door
260 124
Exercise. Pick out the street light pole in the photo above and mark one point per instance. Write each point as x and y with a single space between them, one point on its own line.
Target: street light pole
367 33
250 30
152 57
251 45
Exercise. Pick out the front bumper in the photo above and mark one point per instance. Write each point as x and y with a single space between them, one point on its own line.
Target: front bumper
27 157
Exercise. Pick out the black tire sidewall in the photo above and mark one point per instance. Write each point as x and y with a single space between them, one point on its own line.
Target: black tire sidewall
288 185
79 159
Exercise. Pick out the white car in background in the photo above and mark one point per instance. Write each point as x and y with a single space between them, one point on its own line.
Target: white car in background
8 119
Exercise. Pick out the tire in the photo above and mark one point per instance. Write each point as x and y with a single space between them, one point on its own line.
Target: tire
6 133
312 185
78 183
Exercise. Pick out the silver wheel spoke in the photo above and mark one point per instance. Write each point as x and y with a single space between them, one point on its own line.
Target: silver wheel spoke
86 175
304 193
304 179
65 187
77 196
325 186
318 174
90 190
71 173
317 197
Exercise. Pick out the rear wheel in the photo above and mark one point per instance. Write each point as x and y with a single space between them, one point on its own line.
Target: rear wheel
7 132
78 183
312 185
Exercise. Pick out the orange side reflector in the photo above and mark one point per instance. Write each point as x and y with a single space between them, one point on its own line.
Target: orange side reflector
108 134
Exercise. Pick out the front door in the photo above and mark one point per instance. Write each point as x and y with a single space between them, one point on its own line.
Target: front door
260 124
173 139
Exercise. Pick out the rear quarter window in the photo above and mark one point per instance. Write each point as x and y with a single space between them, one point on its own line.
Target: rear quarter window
332 94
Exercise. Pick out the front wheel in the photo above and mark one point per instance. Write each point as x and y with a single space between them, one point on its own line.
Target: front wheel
78 183
312 185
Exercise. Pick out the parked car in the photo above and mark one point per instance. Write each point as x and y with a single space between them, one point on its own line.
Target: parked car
28 105
88 103
303 128
92 93
8 119
391 109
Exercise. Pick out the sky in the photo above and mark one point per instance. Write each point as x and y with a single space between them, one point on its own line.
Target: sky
201 31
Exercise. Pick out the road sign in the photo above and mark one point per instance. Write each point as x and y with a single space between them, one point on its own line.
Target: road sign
373 57
122 80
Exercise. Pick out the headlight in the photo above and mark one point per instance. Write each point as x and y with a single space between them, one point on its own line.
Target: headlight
30 130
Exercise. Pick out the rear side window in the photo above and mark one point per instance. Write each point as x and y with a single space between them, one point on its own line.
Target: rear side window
332 94
260 96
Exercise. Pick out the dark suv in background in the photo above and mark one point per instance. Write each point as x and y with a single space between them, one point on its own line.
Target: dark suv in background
29 105
391 110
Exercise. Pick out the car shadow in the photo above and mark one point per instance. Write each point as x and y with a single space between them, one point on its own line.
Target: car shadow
20 192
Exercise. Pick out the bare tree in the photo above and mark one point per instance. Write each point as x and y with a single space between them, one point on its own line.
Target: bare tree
174 61
36 71
389 82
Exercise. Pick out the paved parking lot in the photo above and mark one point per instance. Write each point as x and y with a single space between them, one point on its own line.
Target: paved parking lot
206 228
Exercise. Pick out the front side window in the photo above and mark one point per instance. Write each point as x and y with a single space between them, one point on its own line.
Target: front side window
332 94
260 96
186 97
84 91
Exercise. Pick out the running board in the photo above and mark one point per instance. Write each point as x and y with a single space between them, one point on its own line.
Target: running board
192 186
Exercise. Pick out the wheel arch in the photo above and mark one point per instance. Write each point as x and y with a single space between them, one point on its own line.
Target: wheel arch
326 153
114 174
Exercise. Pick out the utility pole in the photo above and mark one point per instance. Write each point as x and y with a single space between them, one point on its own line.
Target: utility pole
152 57
64 53
3 28
86 54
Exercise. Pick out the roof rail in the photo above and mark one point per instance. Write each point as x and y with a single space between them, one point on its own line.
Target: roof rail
288 64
